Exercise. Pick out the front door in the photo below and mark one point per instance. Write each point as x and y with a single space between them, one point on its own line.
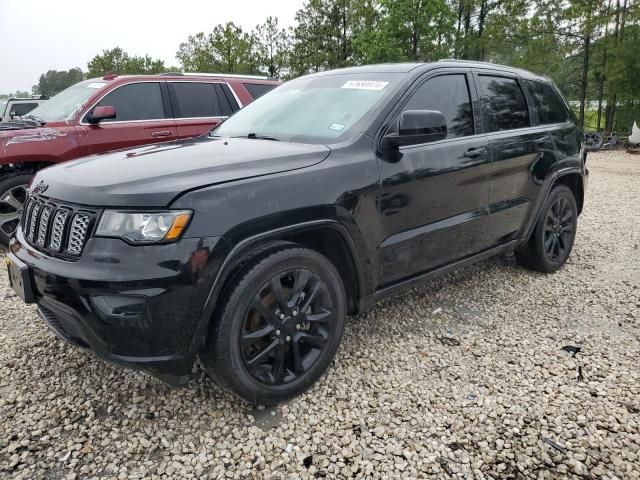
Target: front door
142 117
433 201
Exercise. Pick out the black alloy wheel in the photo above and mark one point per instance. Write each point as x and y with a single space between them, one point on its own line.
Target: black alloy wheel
558 230
278 325
551 242
287 326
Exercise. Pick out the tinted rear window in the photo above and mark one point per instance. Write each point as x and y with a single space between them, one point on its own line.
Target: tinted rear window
201 99
257 89
508 107
546 103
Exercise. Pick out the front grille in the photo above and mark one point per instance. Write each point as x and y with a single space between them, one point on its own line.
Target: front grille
61 229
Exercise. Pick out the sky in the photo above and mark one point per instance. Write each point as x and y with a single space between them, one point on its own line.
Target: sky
41 35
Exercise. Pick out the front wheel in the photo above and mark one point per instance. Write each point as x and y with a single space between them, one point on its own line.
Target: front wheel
279 326
13 193
552 240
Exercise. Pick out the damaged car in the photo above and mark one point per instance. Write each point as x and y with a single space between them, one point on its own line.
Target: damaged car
249 247
110 113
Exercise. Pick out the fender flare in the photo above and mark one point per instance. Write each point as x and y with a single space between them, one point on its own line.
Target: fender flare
549 184
268 239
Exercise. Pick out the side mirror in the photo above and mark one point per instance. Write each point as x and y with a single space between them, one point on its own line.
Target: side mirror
13 114
101 113
418 126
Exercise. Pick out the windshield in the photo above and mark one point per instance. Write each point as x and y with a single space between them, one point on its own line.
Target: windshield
320 109
63 105
3 104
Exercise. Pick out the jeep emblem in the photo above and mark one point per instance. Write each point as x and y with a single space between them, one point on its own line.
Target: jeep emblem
40 188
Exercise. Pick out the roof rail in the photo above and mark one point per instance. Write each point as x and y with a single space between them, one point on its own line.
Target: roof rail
460 61
230 75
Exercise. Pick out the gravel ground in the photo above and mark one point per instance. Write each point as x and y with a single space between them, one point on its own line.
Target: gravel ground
464 377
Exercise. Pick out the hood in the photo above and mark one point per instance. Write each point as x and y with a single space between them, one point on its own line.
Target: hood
17 137
154 175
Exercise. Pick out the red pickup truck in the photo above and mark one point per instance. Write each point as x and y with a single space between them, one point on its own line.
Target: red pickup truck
110 113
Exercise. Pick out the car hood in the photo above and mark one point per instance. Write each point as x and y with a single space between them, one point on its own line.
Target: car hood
154 175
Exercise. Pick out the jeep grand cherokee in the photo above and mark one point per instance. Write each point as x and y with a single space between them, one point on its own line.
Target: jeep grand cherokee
250 246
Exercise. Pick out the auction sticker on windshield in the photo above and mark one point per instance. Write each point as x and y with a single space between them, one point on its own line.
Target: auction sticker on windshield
365 85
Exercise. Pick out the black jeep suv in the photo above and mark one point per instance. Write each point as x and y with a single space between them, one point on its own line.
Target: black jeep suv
250 245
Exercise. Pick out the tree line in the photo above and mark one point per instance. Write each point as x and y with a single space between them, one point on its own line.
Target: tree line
589 48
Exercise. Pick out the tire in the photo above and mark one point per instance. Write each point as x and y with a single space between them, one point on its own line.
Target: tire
278 327
554 234
13 190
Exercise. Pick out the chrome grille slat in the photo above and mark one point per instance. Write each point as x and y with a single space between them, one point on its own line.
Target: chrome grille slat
55 227
33 219
78 233
43 226
57 230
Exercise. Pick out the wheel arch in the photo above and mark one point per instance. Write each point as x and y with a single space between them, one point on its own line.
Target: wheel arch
575 182
31 166
572 179
327 237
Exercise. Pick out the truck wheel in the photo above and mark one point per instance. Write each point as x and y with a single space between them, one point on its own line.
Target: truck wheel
550 245
13 193
278 327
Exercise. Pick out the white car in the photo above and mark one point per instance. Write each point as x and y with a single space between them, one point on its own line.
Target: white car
11 108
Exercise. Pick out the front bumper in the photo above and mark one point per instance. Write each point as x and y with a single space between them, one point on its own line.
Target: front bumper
136 306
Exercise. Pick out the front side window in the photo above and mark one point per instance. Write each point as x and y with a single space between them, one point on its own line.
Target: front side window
546 103
317 109
448 94
135 101
507 104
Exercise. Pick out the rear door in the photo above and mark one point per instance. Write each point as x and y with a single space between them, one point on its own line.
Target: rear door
434 196
143 115
199 106
516 145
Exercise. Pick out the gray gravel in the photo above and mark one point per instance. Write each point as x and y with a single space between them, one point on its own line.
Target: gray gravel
464 377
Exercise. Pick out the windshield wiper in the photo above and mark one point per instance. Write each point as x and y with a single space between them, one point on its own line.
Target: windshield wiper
33 118
261 137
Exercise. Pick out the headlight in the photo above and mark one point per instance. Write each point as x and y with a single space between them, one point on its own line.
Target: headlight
139 227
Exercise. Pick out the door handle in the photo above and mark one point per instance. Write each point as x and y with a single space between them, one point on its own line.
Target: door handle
542 141
164 133
475 152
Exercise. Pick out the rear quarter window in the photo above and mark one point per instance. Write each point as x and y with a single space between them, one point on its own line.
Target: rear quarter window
547 105
258 89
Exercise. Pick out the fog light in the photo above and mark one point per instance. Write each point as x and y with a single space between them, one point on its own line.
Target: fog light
120 305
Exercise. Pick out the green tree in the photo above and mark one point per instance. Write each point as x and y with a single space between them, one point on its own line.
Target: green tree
55 81
120 62
227 49
273 47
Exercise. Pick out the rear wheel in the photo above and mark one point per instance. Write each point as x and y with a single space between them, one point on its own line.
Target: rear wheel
552 241
13 193
279 326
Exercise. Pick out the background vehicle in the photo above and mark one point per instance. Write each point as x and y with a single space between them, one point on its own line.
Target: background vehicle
11 108
250 246
99 115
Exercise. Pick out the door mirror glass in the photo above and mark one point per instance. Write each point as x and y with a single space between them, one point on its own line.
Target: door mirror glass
418 126
102 113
